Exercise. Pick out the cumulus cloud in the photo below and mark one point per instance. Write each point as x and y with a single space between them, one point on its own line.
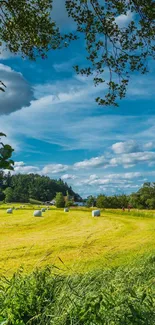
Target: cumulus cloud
93 162
21 168
149 145
125 147
131 159
66 177
54 169
18 92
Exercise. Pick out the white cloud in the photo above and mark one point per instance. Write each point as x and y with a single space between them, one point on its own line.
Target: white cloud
123 20
21 168
125 147
132 159
66 177
93 162
149 145
54 169
19 164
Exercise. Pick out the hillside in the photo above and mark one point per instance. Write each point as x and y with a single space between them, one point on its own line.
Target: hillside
23 187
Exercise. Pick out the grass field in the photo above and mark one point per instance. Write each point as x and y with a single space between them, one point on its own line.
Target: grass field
74 240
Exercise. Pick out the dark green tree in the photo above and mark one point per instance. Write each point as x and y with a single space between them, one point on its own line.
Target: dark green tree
102 201
9 196
60 202
91 201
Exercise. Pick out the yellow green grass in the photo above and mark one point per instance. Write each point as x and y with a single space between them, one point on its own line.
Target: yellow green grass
73 241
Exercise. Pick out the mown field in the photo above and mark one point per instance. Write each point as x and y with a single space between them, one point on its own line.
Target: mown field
74 241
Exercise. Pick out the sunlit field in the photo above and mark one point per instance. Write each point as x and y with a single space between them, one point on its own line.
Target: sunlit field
73 241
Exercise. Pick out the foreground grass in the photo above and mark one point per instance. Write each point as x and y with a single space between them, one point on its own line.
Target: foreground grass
73 240
118 296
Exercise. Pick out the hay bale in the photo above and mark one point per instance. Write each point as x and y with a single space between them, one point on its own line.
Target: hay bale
43 209
9 211
66 210
37 213
95 213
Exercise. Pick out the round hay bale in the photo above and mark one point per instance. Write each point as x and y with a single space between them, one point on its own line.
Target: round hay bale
37 213
43 209
9 211
95 213
66 210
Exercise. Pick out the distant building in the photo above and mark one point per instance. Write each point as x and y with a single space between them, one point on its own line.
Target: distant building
79 204
50 202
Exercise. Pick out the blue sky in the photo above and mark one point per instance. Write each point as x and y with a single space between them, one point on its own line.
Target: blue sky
51 119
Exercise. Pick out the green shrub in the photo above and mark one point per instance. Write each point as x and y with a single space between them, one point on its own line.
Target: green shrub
69 204
121 296
59 200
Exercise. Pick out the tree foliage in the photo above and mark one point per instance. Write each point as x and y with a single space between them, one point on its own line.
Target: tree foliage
25 188
144 198
114 50
5 155
27 29
60 202
91 201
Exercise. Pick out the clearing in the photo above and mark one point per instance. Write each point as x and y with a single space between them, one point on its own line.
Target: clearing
74 241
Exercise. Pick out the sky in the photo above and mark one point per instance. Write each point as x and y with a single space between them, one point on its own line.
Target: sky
51 120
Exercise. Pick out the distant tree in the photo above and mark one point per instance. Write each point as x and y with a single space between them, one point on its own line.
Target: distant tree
123 201
60 202
91 201
150 203
69 203
9 195
33 186
102 201
135 201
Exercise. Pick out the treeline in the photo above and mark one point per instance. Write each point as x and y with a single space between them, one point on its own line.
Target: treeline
144 198
23 188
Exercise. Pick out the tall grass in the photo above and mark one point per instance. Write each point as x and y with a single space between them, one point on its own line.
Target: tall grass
118 296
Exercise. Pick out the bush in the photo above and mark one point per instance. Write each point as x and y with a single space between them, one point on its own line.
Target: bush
112 297
69 204
59 200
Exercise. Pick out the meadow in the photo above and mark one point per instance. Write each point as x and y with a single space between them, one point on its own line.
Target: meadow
74 241
72 269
